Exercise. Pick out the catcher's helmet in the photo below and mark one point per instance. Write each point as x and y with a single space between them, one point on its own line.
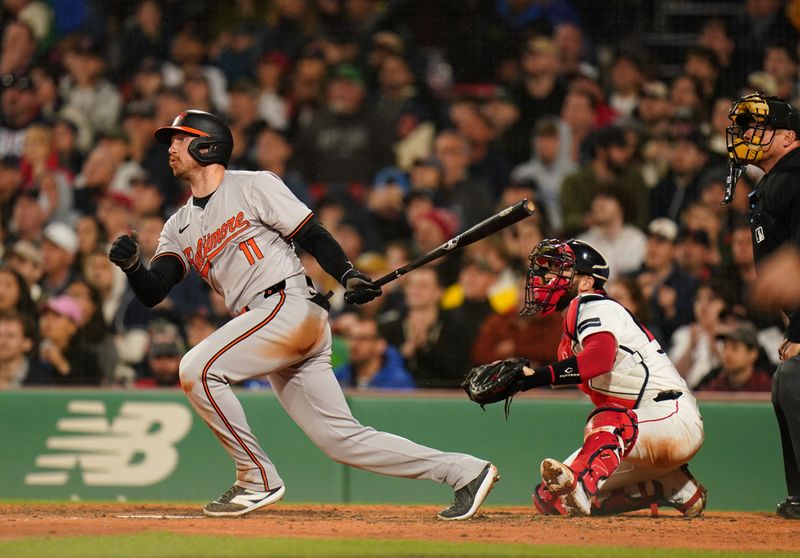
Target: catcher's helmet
750 118
214 141
552 270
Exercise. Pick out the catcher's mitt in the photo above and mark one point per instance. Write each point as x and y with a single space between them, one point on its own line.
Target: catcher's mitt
499 380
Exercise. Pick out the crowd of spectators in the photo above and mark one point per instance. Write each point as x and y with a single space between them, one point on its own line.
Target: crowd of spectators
400 123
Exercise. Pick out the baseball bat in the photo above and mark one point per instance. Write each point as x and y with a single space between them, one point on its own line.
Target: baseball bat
510 215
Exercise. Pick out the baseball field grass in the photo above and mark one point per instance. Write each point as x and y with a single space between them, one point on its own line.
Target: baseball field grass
165 544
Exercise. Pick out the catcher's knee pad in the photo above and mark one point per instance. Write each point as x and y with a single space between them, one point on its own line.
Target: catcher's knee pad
610 434
619 421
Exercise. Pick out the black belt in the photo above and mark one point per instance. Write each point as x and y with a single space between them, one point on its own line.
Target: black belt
318 299
668 395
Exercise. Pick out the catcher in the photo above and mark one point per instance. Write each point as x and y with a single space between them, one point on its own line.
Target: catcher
645 426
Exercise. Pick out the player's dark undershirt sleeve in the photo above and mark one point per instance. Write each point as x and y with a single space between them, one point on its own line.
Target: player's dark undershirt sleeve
152 285
317 241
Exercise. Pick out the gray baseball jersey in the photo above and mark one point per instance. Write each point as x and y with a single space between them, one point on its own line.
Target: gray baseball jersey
240 243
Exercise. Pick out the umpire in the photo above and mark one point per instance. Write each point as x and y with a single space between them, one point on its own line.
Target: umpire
765 132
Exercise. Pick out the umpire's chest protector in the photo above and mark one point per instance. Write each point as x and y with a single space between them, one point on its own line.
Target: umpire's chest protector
773 205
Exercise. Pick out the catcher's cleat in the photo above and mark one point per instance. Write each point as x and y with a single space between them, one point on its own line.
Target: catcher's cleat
561 481
239 501
469 498
789 508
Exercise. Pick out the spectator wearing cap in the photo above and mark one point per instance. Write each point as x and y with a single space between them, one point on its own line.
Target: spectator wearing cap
432 228
59 248
270 73
740 362
654 108
19 108
146 81
622 244
627 76
345 141
273 152
681 185
95 178
611 168
63 359
237 51
166 348
695 254
669 291
86 90
150 157
386 205
16 346
548 166
147 198
539 91
243 114
468 196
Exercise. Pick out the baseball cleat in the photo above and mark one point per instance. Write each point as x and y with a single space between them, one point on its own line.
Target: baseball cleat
469 498
687 495
789 508
239 501
561 482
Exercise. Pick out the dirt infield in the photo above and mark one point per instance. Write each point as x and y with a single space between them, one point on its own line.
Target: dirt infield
735 531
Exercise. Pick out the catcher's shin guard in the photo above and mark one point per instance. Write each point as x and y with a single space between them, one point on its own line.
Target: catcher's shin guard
677 489
547 503
610 435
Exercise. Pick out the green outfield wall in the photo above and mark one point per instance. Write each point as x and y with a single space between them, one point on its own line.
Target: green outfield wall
149 445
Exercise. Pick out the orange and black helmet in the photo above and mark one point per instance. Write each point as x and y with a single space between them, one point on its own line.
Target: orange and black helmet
213 142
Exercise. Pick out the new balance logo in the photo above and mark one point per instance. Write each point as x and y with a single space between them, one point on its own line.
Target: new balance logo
136 448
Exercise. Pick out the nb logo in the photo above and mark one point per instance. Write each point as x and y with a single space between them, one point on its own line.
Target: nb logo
136 448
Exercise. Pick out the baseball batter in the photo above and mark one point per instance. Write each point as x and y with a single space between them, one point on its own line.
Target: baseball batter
645 426
237 231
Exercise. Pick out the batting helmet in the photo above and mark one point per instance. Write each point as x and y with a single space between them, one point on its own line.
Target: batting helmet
552 270
214 141
750 118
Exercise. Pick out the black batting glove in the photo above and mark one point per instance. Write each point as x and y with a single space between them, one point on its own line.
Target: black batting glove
125 253
360 288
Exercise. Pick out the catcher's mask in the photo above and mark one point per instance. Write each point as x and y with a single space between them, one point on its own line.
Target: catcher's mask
754 118
214 141
552 271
